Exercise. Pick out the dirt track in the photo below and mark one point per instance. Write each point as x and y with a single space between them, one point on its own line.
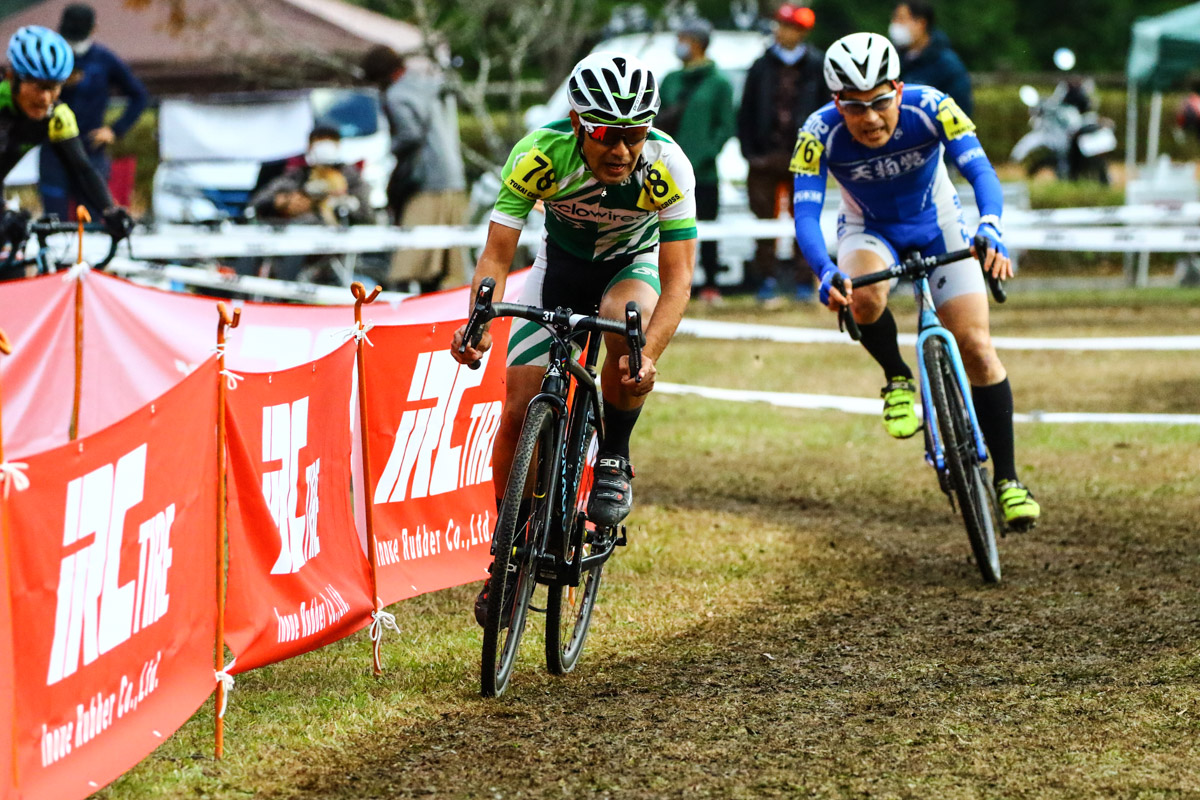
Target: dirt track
852 650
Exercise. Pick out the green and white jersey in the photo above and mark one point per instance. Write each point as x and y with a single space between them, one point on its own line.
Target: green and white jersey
589 220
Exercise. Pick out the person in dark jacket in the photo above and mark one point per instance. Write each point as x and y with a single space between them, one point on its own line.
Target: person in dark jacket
697 111
321 189
97 71
782 88
925 53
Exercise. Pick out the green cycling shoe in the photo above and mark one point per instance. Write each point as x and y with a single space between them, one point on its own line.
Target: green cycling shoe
1021 511
899 408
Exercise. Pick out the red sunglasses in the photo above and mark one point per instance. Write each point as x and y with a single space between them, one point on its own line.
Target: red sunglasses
610 135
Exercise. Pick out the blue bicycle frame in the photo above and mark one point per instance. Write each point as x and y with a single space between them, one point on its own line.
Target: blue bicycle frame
928 325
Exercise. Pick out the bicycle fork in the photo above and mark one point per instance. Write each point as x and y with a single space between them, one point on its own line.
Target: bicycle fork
937 448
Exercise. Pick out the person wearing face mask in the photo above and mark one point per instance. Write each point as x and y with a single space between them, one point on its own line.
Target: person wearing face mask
320 190
97 72
925 53
782 88
698 112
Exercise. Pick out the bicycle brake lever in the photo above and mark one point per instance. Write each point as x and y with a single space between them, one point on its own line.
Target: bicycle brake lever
982 245
847 323
480 314
636 338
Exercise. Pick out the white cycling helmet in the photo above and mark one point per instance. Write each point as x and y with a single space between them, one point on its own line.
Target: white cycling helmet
613 89
860 62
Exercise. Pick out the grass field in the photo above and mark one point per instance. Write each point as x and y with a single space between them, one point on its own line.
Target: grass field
797 614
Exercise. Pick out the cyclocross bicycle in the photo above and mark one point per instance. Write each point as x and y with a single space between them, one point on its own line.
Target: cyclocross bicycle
556 545
954 444
13 267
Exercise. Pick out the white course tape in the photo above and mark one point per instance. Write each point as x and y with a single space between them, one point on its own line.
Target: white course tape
873 407
1182 214
1131 229
311 293
715 329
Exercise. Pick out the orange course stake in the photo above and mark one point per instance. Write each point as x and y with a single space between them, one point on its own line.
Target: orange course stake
84 217
226 320
81 214
361 297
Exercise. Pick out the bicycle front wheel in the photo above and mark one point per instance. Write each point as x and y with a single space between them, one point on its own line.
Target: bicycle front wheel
569 608
968 476
516 542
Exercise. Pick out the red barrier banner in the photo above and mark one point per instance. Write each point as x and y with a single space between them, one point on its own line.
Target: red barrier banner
38 315
431 423
7 683
298 577
113 571
139 342
145 340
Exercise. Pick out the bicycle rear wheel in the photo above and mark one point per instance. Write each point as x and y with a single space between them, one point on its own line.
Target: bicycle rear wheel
569 608
968 476
513 565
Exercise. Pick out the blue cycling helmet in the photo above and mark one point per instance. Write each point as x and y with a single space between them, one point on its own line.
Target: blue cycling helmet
40 54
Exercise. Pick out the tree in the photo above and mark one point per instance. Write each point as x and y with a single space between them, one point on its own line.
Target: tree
492 42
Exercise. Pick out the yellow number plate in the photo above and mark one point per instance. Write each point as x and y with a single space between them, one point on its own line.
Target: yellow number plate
659 189
806 158
533 175
62 124
954 122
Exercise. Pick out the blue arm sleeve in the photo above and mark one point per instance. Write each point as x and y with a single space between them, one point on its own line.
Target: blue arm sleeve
810 198
132 88
973 163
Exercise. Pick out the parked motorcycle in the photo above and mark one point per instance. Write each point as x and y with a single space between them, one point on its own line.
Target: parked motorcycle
1068 135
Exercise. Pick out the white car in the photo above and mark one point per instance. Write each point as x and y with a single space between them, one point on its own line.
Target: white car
211 150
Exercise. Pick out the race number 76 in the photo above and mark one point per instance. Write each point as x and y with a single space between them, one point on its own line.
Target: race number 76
806 158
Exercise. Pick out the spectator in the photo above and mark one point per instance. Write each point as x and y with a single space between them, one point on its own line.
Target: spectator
925 54
97 71
321 190
1187 115
698 112
783 87
428 186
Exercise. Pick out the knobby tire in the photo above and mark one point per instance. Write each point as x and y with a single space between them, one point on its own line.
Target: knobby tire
569 609
501 641
968 476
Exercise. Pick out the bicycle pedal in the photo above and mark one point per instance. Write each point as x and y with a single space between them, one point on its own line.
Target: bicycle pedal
1021 526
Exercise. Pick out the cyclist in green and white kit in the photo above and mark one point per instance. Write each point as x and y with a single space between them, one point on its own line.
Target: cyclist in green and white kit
620 226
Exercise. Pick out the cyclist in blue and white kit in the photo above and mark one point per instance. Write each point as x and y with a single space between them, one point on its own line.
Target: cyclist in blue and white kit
883 142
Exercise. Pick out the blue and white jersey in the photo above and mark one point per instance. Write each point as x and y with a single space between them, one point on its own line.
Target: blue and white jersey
896 188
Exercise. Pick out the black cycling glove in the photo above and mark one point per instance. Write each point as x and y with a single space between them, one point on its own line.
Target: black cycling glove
118 222
14 227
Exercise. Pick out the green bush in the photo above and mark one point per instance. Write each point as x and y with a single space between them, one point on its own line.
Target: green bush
1068 194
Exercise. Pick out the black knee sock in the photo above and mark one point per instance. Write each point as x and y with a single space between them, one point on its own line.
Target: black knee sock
994 409
880 340
618 425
